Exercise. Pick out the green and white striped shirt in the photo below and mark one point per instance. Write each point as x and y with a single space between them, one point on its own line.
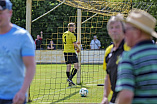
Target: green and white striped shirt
137 72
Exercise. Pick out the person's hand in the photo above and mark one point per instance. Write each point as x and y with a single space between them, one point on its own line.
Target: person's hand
79 43
19 98
104 101
41 32
78 50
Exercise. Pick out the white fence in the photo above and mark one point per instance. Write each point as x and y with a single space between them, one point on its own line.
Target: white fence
56 56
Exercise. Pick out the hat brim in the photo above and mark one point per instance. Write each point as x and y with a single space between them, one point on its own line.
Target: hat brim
140 26
154 34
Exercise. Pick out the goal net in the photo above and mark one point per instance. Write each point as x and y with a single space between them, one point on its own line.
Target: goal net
49 84
103 7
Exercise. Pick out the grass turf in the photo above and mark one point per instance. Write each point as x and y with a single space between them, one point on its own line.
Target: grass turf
50 85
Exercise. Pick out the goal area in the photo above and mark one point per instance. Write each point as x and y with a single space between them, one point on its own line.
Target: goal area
90 16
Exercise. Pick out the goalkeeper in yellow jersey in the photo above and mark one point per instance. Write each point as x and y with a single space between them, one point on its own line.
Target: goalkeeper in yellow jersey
69 41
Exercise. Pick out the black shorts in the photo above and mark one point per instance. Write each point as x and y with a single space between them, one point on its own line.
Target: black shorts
70 58
4 101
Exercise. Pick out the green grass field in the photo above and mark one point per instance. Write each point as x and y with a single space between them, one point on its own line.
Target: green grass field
50 86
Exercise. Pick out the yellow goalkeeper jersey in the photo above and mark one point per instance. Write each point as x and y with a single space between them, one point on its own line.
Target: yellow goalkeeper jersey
68 39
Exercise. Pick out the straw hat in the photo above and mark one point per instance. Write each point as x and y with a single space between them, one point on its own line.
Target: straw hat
142 20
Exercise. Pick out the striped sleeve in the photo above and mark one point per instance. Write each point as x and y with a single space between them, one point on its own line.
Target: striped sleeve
125 77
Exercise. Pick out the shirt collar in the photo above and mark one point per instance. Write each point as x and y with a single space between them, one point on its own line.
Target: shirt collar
144 42
121 44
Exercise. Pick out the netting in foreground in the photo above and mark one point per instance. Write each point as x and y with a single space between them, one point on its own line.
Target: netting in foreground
104 7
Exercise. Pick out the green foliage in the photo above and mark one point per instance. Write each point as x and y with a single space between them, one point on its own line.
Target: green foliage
50 23
55 23
19 12
148 5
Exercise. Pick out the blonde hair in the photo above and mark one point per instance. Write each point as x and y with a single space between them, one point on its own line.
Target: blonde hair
71 24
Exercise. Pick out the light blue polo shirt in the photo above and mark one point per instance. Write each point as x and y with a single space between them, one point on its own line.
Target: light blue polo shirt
14 45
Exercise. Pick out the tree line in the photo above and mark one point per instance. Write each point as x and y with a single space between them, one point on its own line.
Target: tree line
55 23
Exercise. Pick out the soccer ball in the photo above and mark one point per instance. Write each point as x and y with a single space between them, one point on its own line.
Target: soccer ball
83 92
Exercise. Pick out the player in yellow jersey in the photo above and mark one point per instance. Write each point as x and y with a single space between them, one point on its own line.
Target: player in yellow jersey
116 31
69 41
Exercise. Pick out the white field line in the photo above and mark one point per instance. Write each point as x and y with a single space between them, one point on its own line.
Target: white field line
88 82
53 92
65 89
72 102
91 84
96 80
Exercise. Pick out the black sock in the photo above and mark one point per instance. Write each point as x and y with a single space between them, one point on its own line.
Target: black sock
68 74
73 72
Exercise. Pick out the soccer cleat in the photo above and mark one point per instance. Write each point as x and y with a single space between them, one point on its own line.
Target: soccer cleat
70 84
70 81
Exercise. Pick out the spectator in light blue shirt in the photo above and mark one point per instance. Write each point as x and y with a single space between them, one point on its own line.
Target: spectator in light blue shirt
17 62
95 43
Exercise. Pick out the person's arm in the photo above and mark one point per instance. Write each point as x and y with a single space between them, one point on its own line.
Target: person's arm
30 65
125 84
75 43
41 35
52 46
99 45
107 89
48 47
35 44
91 43
125 97
77 47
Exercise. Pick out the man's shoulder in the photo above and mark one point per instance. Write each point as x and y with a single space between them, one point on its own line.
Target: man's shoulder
98 40
68 32
65 32
109 47
18 28
19 31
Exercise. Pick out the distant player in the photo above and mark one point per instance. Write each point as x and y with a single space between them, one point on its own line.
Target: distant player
69 41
